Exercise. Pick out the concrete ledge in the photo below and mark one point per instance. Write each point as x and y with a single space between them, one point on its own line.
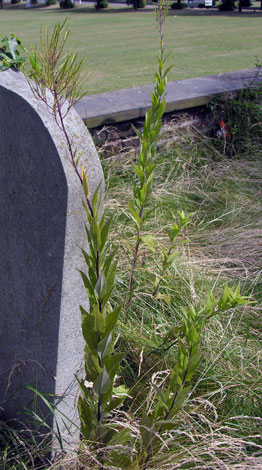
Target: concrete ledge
132 103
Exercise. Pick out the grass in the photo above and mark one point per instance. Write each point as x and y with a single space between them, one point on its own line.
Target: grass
120 45
223 244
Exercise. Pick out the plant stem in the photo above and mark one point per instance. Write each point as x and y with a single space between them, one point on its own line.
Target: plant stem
135 259
99 409
69 146
161 273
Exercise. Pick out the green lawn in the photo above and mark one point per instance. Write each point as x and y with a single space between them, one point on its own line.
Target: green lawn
121 46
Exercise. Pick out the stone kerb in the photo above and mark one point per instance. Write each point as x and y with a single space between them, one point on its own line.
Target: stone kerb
42 230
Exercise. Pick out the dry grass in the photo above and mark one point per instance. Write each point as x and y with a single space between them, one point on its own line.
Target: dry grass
221 428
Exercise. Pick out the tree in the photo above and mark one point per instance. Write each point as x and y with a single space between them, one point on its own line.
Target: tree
227 5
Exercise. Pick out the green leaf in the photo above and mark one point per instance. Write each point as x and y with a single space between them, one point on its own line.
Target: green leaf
175 382
99 321
121 460
86 282
164 252
161 109
139 135
145 428
95 233
102 383
111 319
100 285
85 185
193 335
180 399
121 391
108 261
92 366
119 438
104 233
149 241
103 345
224 301
192 366
171 258
96 200
86 419
134 213
138 171
45 400
112 363
160 395
88 329
12 45
168 70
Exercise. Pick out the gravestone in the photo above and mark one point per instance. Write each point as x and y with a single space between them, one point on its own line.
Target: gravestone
42 231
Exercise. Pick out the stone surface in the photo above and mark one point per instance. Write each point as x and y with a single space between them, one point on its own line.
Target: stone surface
132 103
42 230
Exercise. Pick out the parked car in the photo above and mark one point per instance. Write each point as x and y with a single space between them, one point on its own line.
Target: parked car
200 3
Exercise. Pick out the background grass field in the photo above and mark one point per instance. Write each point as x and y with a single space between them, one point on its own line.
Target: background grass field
219 183
121 46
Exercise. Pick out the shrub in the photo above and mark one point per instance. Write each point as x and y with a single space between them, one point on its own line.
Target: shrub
100 4
178 6
50 2
227 5
13 2
67 4
138 4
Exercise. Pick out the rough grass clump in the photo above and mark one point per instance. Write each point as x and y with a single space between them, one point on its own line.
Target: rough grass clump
222 243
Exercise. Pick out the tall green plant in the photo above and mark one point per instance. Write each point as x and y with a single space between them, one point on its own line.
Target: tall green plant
99 396
58 74
144 168
171 397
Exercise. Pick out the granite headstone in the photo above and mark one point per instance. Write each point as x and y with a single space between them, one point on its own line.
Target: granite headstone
42 230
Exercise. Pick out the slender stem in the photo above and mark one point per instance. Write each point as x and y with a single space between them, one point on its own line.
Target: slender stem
69 146
97 264
149 455
161 273
99 413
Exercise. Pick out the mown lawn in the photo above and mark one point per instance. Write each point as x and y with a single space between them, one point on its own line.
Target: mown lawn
121 46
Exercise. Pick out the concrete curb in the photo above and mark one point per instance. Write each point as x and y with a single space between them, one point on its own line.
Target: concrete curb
132 103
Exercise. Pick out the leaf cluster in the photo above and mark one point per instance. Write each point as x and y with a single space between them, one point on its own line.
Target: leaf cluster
55 69
10 54
99 396
168 256
171 398
145 166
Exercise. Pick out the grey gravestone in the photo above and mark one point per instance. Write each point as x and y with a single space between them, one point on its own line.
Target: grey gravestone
42 230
